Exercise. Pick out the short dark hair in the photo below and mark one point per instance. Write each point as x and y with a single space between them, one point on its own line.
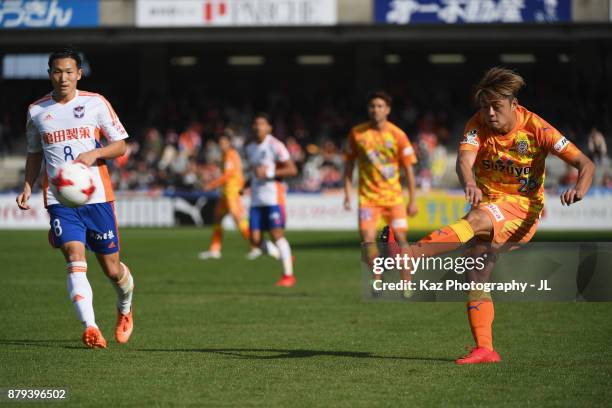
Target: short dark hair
263 115
380 94
66 52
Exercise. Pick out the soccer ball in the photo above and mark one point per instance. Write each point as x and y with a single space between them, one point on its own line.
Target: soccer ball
73 184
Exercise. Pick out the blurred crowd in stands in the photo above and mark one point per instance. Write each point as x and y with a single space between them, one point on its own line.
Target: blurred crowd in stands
180 152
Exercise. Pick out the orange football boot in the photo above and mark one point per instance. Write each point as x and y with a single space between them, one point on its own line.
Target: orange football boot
125 325
93 338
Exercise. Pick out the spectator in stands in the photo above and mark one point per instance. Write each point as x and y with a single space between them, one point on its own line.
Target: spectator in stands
606 180
597 147
190 141
192 176
142 177
295 151
427 141
212 152
152 146
570 177
170 150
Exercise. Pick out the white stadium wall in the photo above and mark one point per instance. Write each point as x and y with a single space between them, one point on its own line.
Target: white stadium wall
138 210
317 212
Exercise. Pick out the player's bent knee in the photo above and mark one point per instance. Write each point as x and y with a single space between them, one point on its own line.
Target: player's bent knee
277 233
479 221
255 236
73 254
75 258
111 264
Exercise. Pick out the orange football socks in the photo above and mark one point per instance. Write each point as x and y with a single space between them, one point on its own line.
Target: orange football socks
217 237
444 240
480 315
244 229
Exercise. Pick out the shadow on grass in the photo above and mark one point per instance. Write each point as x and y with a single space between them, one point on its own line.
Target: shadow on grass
249 353
237 294
65 344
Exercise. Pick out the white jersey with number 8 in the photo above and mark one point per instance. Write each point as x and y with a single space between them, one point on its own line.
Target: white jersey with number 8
62 131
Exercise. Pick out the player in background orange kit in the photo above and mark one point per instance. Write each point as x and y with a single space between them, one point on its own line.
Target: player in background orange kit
501 165
231 182
381 149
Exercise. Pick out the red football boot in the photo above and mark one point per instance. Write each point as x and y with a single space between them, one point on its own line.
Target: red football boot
286 281
480 355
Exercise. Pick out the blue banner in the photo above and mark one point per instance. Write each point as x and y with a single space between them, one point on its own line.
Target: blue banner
471 11
48 13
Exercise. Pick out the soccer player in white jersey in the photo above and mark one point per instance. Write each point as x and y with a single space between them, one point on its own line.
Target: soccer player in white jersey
269 161
67 125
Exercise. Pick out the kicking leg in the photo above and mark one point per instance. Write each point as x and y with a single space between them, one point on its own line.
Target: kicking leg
480 309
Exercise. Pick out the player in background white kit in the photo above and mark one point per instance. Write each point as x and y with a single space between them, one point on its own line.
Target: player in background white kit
63 126
269 161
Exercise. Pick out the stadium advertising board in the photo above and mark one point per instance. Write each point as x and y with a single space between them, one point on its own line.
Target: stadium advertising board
133 210
471 11
317 212
48 13
215 13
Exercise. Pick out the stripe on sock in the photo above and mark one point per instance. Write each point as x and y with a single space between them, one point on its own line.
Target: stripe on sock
76 266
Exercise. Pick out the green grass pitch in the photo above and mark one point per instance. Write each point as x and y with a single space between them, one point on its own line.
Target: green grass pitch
218 333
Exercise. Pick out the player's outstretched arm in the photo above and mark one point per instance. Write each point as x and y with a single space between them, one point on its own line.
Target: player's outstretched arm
110 151
219 181
465 164
586 170
348 182
32 169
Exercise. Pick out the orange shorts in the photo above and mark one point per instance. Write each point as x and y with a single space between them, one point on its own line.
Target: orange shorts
231 204
394 215
511 223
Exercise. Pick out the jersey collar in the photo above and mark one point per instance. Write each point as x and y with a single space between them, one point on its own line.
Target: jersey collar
76 95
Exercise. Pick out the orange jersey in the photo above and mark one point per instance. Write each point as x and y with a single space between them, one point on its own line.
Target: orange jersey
512 166
231 182
378 155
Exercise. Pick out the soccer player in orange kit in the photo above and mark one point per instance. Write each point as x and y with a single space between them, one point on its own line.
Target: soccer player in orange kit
231 182
501 165
381 150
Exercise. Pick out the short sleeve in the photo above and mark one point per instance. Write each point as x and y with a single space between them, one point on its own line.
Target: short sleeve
471 139
109 123
34 144
350 151
281 154
554 142
406 153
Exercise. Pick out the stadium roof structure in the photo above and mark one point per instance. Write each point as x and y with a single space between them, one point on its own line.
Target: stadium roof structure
481 33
